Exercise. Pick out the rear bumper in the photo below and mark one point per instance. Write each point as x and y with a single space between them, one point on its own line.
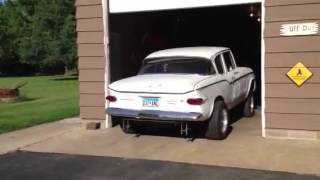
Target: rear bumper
154 115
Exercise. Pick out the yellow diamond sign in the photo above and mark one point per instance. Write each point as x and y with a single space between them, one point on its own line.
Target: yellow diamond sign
299 74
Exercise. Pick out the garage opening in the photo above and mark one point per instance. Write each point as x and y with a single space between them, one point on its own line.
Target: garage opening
134 35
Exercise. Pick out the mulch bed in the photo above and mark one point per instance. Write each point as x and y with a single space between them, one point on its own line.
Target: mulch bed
8 94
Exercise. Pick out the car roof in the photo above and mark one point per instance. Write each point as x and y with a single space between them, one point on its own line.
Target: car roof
202 52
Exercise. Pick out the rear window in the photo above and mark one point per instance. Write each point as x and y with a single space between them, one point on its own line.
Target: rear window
178 66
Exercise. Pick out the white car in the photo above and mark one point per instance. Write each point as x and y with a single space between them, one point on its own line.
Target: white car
184 85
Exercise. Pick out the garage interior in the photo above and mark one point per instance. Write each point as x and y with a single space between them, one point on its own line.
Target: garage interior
134 35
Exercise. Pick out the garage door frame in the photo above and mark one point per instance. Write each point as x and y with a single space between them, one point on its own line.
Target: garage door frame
106 11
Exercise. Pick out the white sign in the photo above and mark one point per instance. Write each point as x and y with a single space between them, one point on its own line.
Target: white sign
299 29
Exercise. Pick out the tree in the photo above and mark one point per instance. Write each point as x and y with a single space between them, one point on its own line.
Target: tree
9 23
43 33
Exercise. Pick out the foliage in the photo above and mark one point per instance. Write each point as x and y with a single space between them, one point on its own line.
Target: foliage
45 99
38 34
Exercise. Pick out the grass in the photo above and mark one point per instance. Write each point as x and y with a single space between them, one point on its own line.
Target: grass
44 99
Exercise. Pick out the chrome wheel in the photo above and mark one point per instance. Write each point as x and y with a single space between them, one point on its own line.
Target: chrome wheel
251 104
224 121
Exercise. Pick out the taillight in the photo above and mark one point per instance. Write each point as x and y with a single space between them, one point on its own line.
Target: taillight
195 101
111 98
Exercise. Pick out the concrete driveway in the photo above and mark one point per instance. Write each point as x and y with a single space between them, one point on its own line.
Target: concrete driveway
244 148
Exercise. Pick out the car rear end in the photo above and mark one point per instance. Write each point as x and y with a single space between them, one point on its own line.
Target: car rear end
190 106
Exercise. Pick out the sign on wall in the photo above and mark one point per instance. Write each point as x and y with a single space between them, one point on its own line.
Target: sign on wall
299 74
299 29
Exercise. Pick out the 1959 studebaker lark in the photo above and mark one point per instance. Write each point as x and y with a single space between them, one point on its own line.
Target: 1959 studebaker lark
185 85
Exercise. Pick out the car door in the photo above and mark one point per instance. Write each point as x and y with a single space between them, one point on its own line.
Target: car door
221 72
233 77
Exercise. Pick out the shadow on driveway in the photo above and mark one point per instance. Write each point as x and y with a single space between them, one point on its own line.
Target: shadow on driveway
45 166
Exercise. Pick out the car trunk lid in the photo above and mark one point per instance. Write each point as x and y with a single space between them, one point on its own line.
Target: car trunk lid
158 83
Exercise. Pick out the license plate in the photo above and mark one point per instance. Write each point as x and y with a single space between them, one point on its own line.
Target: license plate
150 102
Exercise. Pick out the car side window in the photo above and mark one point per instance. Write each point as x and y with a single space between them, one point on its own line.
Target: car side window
228 60
211 69
219 65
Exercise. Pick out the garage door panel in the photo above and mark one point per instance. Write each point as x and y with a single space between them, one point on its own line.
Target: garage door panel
91 63
93 113
272 29
296 106
293 44
292 91
278 75
92 24
293 121
293 12
309 59
89 11
92 88
289 2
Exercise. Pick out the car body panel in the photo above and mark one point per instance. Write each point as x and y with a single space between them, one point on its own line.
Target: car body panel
158 83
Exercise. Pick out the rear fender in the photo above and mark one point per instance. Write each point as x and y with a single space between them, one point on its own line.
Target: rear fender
252 86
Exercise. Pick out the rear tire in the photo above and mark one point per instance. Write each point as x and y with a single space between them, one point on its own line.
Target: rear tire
248 107
218 125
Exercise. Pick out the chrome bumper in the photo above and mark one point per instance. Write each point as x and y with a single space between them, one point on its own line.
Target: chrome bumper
154 114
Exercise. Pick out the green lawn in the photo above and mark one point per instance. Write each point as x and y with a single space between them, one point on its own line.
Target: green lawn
45 99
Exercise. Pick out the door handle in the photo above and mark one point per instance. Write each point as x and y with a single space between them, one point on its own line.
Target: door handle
235 73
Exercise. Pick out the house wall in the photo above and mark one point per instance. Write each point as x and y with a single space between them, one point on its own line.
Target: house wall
287 105
90 41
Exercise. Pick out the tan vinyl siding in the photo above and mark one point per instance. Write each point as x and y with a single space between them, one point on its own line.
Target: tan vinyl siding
275 60
293 106
92 24
90 37
287 105
92 113
293 121
272 30
293 44
89 11
91 59
293 12
91 88
275 90
91 100
90 50
289 2
272 76
91 75
88 2
91 62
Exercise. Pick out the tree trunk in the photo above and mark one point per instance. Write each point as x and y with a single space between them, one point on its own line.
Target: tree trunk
66 71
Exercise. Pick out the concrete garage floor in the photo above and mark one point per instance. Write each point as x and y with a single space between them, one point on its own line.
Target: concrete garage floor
244 148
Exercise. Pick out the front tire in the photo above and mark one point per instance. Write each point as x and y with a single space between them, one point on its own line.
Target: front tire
218 125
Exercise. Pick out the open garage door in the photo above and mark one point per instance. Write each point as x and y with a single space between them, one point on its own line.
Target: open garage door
121 6
135 35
